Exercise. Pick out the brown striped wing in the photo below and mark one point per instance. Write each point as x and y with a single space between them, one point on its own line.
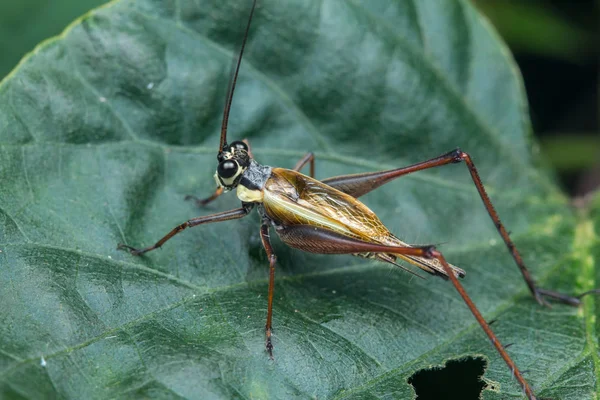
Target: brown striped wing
291 198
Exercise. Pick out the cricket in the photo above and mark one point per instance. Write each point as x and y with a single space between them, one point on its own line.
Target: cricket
327 217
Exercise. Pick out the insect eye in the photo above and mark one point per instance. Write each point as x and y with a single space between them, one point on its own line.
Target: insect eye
227 169
239 145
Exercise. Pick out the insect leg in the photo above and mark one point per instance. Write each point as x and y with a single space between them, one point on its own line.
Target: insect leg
314 239
308 158
264 237
223 216
485 326
202 202
320 240
359 184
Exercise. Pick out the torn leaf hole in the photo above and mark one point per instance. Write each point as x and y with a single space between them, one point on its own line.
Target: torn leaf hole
457 379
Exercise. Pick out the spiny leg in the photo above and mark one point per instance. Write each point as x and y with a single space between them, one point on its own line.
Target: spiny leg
308 158
320 240
357 185
264 237
207 219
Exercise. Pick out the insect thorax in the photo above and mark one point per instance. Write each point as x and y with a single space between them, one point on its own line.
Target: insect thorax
250 187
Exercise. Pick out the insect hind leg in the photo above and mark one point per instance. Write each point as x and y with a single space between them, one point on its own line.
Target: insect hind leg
433 253
319 240
357 185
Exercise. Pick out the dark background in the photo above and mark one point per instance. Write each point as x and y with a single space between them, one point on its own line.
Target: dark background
557 46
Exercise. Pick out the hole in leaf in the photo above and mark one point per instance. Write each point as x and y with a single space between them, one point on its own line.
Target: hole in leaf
457 379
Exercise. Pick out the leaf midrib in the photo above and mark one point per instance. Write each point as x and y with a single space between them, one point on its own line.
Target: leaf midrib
370 382
502 307
355 162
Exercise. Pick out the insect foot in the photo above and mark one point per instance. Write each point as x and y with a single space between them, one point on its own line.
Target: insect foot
541 294
132 250
269 344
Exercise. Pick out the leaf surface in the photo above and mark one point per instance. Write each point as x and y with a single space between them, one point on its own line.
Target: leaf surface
104 130
24 23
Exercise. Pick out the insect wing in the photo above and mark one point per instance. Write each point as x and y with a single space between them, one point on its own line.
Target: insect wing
291 198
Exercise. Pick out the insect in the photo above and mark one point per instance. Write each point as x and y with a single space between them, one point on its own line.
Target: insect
326 216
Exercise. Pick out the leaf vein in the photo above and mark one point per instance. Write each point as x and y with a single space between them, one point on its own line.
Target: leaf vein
255 72
508 155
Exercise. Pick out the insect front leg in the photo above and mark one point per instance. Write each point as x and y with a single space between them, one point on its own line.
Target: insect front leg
320 240
308 158
266 241
207 219
357 185
202 202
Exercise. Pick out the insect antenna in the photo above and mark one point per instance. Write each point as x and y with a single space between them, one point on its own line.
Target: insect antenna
231 87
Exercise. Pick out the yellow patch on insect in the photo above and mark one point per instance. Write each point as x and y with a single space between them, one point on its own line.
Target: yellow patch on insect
248 195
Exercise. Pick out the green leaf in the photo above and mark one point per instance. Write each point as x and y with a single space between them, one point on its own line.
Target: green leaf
24 23
104 130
